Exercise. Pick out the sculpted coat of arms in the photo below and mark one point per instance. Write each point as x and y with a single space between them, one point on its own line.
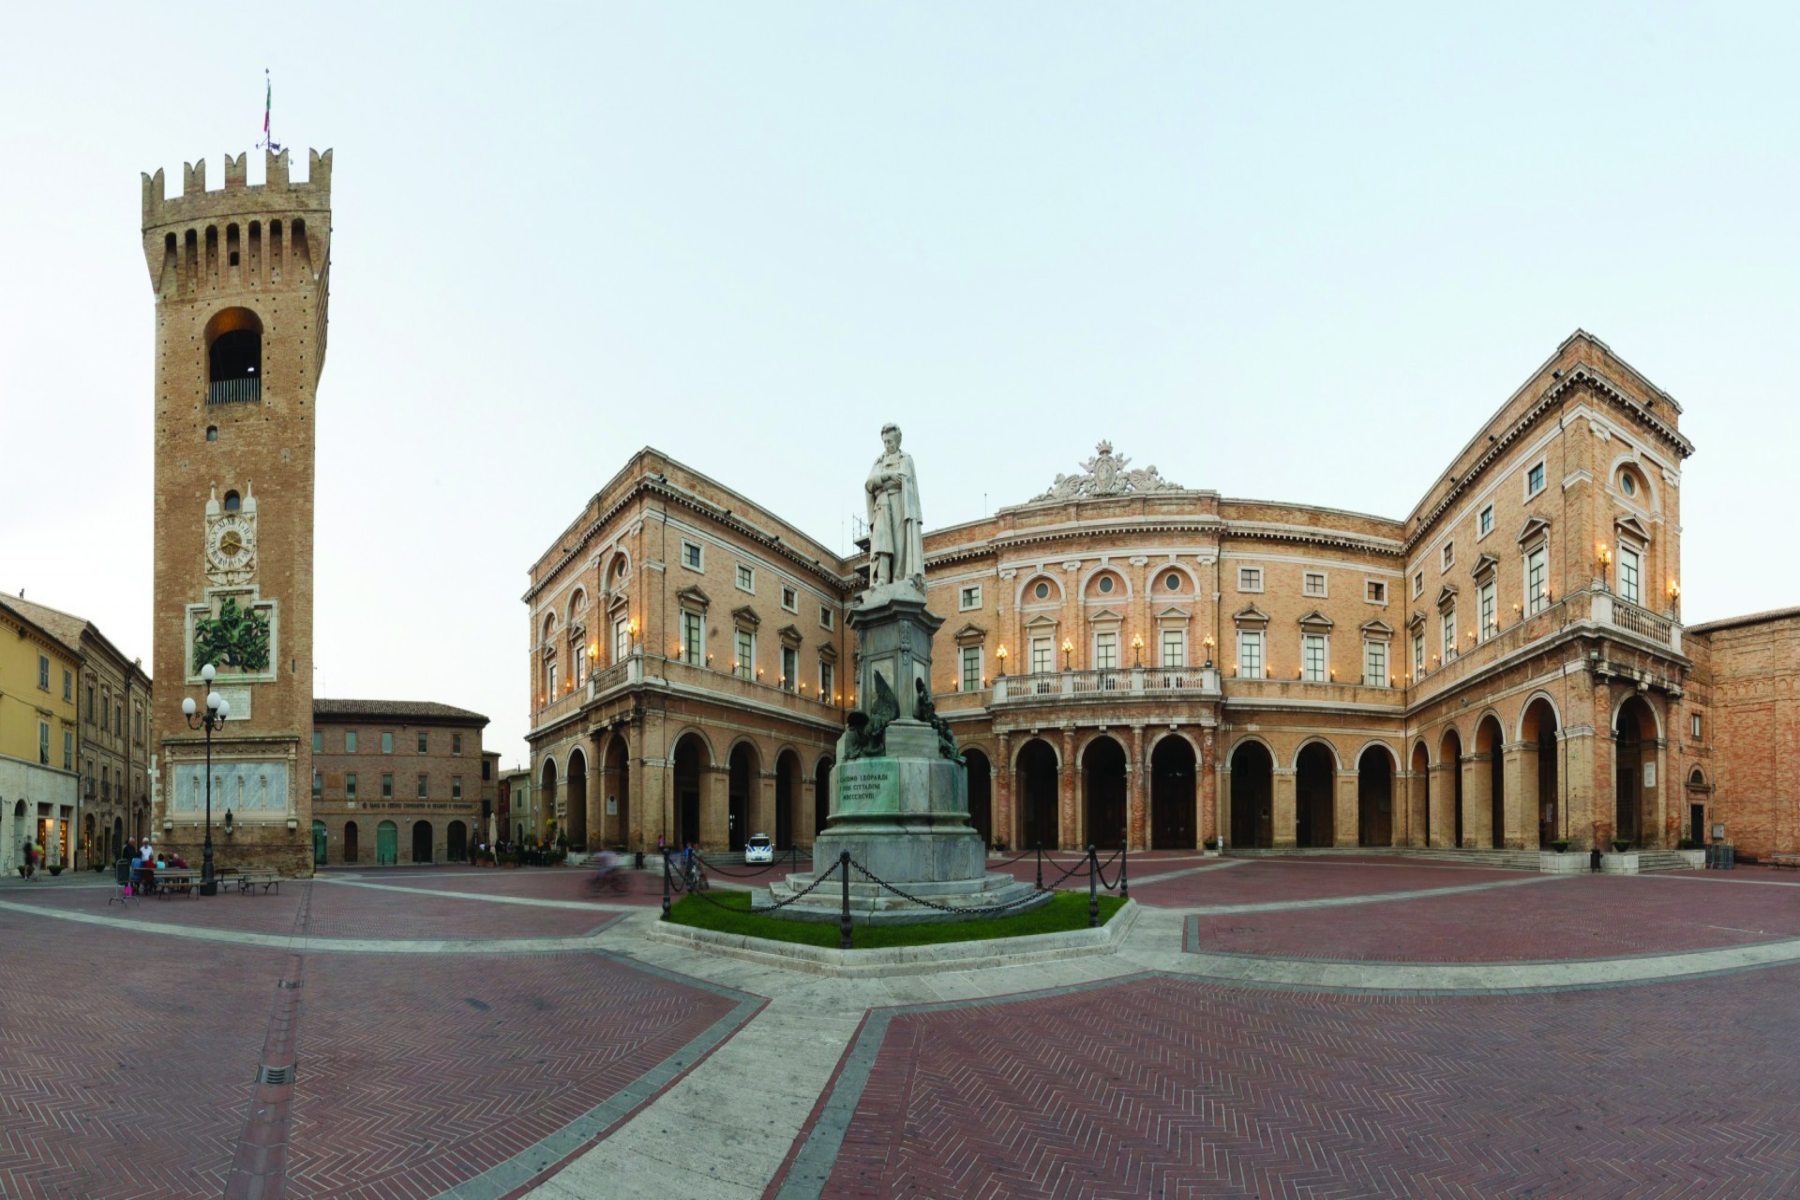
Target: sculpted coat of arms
1107 474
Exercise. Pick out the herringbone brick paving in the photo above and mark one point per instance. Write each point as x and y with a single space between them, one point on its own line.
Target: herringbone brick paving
1260 881
1583 917
1169 1087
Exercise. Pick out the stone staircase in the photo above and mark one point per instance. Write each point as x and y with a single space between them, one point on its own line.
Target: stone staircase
1662 860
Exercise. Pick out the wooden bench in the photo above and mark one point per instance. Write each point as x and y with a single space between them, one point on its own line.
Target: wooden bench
1785 860
264 879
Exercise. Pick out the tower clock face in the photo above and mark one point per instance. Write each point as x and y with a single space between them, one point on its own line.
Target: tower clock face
231 544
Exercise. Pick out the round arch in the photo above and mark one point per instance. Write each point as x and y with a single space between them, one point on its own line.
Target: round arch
1487 806
697 734
744 770
1165 734
1630 458
578 603
575 816
615 768
1039 771
1157 573
1449 746
1174 764
1375 770
1252 739
1019 750
618 569
690 758
1637 735
1337 760
1419 806
1094 573
1523 732
1104 772
980 767
1251 764
1378 744
821 792
1655 717
1029 583
1450 755
787 797
1316 768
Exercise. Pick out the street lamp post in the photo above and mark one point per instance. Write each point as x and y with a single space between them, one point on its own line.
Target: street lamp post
217 710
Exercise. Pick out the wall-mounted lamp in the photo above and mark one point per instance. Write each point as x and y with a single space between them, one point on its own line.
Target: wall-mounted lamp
1068 649
1001 655
1137 649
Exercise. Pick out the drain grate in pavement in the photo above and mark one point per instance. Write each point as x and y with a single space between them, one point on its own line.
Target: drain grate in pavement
276 1074
291 984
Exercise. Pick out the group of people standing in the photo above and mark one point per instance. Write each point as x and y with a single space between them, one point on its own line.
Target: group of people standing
33 855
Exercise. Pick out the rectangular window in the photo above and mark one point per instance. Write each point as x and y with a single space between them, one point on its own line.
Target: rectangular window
456 787
44 673
1375 668
790 667
1250 654
318 742
744 665
1375 592
691 634
1484 524
621 640
68 685
971 668
1419 584
1534 480
1694 725
790 599
968 597
350 786
456 743
1043 658
690 555
746 578
1174 648
422 788
68 750
424 743
1106 651
1537 579
824 616
387 742
90 704
349 741
1312 657
318 785
105 712
549 680
1630 576
827 681
1485 604
1313 583
387 785
1249 579
486 769
1449 635
1418 655
1449 557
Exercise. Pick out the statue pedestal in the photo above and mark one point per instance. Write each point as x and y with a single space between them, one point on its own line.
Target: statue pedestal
905 818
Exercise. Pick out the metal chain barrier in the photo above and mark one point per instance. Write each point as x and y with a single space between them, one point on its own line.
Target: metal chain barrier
1079 867
791 860
1101 871
779 904
957 909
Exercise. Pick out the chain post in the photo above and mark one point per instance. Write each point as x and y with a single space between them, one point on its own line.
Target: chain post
1124 861
665 912
1039 847
1093 889
844 915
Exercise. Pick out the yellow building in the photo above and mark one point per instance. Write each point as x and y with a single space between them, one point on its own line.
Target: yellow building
38 791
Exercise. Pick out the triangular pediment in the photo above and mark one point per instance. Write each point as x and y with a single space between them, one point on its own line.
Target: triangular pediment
693 597
1316 620
1377 629
1416 621
1104 617
789 635
746 616
1041 621
1534 527
1250 615
1632 527
971 635
1446 595
1485 565
828 653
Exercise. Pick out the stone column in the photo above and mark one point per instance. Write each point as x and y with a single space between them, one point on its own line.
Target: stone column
1221 774
808 800
1405 827
1477 794
760 811
1005 827
1443 803
1070 830
597 832
1346 821
1521 808
1206 778
715 807
652 786
1136 772
1284 814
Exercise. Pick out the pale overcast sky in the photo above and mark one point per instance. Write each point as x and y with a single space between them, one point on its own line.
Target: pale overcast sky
1289 251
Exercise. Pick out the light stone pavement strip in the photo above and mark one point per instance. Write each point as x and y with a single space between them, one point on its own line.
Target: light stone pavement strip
725 1127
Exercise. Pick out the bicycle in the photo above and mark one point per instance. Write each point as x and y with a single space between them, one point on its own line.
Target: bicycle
613 881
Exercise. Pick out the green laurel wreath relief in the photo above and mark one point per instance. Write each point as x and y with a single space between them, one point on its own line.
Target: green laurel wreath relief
237 637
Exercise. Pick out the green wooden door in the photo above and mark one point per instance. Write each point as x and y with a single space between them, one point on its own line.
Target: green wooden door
318 843
387 844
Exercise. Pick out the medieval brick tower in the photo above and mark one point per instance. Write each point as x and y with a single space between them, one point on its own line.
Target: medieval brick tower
241 280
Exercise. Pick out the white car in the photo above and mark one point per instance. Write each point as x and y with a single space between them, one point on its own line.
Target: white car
759 849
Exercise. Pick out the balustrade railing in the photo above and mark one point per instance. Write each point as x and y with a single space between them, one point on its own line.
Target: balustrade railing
1104 684
235 391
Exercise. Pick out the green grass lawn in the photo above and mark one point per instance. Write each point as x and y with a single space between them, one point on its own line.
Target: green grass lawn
729 912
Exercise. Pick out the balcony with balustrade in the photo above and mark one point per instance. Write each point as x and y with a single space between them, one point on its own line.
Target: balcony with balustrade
1106 686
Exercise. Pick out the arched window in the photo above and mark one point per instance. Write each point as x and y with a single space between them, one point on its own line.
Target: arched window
233 502
234 357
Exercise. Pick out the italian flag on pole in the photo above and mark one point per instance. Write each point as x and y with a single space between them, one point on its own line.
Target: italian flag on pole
268 99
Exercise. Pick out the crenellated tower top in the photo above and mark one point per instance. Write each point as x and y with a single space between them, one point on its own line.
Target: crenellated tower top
231 213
